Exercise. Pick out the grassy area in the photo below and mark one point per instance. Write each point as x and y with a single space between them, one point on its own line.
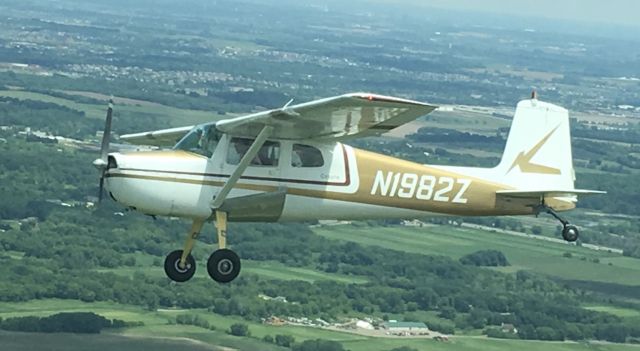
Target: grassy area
194 338
523 253
105 342
277 270
480 343
46 307
618 311
265 269
207 337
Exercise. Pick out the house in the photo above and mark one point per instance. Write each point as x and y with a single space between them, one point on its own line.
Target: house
508 328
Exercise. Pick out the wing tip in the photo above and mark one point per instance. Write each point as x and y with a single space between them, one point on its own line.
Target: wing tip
386 98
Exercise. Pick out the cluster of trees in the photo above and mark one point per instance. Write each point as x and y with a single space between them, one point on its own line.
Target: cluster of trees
195 320
632 251
31 173
283 340
72 322
239 329
489 258
46 116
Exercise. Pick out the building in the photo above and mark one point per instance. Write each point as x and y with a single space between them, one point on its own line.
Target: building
405 327
360 324
508 328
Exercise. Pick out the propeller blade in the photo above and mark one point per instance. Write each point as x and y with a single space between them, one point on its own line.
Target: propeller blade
102 163
101 188
104 147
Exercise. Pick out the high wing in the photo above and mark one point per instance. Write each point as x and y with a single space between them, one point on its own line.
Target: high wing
334 118
163 137
339 117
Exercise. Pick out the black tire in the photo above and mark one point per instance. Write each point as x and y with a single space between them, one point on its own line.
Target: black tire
223 265
173 270
570 233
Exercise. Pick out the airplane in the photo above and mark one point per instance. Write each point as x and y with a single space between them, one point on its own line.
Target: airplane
290 164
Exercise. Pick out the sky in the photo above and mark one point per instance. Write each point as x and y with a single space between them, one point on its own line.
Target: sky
620 12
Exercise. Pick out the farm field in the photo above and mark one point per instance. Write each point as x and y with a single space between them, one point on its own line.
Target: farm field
106 342
172 116
192 338
523 253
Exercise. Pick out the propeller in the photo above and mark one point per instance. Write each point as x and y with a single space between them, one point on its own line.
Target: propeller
102 163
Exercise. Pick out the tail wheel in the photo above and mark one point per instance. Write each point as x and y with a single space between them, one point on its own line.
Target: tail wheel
173 269
570 233
223 265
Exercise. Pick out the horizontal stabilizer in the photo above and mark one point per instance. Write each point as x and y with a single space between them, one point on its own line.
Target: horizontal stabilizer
548 193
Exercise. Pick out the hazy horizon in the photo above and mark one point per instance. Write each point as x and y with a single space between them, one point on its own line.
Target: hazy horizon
616 12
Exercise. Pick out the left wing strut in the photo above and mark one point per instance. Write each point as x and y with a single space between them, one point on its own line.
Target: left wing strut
219 198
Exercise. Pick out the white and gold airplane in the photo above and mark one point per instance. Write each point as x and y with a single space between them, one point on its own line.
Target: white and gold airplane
290 164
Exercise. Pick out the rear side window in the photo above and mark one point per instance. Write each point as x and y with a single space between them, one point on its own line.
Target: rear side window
268 155
306 156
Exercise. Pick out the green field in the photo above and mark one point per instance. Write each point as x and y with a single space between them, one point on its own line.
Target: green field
466 121
157 334
618 311
523 253
265 269
174 117
104 342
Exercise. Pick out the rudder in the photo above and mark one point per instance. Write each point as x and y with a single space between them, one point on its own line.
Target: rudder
537 154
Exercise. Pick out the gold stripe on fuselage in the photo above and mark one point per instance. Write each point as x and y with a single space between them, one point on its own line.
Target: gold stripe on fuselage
403 184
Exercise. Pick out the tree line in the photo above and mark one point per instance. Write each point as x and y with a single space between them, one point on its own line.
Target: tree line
68 322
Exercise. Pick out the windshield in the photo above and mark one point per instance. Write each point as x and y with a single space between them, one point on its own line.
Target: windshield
201 140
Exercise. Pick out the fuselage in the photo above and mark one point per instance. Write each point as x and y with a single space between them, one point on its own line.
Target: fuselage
350 184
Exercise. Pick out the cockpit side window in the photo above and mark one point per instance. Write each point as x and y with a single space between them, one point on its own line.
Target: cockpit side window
201 140
268 155
306 156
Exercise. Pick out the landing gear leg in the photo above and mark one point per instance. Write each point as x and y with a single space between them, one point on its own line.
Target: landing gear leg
180 265
570 232
223 264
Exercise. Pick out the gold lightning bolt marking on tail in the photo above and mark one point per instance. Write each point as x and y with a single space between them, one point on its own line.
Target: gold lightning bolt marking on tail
524 159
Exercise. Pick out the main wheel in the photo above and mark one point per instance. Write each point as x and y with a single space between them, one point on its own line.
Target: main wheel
570 233
223 265
174 271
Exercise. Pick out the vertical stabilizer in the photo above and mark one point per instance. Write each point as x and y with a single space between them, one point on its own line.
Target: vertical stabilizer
538 150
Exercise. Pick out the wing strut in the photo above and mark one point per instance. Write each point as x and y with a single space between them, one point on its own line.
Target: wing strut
219 198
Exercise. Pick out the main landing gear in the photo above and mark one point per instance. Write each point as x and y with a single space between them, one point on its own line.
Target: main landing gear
223 265
570 232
